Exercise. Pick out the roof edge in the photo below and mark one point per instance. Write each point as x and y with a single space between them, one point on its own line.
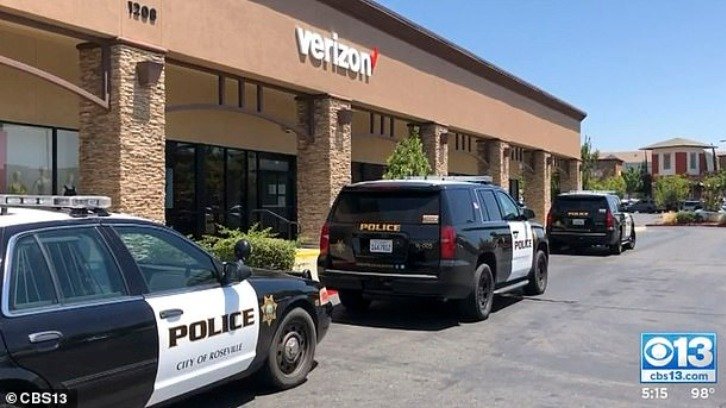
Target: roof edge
385 19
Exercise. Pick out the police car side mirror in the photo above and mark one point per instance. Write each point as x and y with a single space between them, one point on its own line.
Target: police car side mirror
527 213
242 250
235 272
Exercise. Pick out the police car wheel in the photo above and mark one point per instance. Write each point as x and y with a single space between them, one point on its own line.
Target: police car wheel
353 301
291 353
538 277
478 304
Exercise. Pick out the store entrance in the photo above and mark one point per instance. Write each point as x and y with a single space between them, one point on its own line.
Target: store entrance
211 186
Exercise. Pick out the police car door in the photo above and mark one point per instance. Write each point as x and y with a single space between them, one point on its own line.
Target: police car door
522 239
207 332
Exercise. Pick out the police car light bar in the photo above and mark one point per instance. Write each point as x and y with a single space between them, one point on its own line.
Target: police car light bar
470 179
80 202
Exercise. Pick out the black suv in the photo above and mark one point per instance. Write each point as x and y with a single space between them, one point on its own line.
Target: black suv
586 218
448 239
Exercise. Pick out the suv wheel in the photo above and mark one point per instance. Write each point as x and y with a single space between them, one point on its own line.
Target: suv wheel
538 276
631 241
354 301
478 304
617 249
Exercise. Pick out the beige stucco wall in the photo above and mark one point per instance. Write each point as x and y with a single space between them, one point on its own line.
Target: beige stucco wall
256 39
26 99
462 162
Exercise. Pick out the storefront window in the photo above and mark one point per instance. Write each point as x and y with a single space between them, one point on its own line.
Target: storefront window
236 183
67 162
366 171
28 164
208 186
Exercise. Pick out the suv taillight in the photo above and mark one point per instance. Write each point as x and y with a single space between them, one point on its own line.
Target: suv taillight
609 220
448 242
550 218
324 239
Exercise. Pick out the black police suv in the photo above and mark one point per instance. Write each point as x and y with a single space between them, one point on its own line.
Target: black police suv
587 218
128 313
451 239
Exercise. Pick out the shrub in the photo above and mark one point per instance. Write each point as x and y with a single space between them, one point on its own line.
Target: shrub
685 217
669 218
268 252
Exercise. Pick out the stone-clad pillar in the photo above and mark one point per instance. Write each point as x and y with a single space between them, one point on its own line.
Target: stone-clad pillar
537 190
121 152
498 162
571 178
323 160
435 144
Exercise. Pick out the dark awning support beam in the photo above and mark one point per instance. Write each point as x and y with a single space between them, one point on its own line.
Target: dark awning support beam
58 81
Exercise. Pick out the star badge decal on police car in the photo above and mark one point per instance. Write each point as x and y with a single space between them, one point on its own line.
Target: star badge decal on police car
269 310
339 247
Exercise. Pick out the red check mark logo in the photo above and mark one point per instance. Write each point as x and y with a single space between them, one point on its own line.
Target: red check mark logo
374 57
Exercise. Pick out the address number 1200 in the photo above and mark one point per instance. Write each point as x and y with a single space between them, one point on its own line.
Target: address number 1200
143 12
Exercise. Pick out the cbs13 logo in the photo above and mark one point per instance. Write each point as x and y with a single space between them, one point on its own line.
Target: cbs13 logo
678 351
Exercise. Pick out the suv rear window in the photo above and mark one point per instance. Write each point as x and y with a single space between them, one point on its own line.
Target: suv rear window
580 203
405 207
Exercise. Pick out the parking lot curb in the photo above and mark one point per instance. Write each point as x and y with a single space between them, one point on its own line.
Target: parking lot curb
642 228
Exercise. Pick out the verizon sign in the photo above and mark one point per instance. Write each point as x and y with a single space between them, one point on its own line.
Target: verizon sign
329 50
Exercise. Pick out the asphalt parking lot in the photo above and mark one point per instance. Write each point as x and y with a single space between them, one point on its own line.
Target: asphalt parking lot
577 345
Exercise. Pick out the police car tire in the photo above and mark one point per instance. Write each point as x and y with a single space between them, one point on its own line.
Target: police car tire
354 301
477 306
272 373
538 276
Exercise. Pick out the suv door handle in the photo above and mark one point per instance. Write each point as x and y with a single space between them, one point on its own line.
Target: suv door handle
165 314
45 336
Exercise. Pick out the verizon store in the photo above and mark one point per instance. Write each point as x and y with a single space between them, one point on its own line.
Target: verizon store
231 113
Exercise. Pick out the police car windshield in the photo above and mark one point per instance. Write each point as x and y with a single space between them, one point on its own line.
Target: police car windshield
399 206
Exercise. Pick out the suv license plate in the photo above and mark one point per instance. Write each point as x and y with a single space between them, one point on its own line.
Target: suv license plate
381 246
578 222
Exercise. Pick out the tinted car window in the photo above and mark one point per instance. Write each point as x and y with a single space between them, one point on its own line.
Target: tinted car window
461 206
82 266
490 205
591 204
31 284
405 207
166 261
510 210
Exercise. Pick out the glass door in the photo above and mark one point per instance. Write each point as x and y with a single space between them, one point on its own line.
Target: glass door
181 183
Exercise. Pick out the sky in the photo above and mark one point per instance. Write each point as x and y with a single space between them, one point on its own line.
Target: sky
643 70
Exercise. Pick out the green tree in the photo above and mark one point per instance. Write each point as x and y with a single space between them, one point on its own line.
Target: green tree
589 162
615 184
633 178
408 159
714 189
669 190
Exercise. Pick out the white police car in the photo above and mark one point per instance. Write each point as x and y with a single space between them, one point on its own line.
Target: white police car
129 313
